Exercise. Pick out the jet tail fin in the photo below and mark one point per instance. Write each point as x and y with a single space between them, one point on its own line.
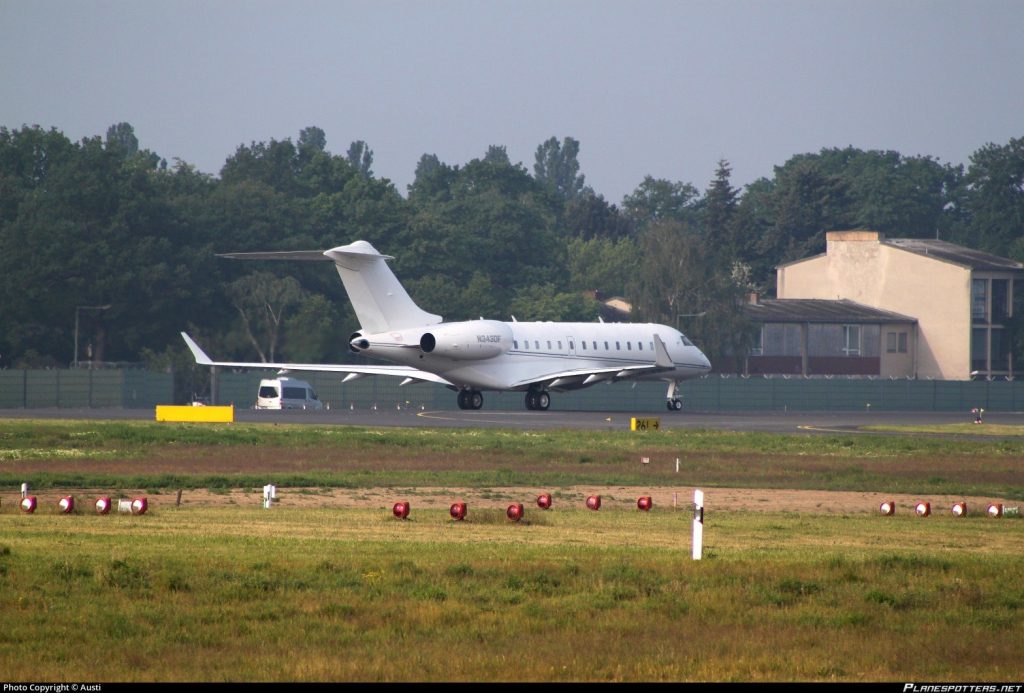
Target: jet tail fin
379 300
381 303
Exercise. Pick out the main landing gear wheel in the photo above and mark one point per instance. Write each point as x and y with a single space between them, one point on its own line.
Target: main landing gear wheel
674 405
470 399
538 401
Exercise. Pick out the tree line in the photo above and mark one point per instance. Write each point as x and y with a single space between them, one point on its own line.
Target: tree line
110 238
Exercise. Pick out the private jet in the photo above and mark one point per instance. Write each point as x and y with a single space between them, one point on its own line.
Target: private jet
478 356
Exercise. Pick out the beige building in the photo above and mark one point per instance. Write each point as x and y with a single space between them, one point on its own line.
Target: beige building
961 298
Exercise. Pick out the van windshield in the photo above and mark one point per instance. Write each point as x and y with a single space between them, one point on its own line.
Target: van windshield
268 391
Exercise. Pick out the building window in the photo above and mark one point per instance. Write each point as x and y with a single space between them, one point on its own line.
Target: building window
757 348
979 300
1000 300
1000 356
979 349
851 340
896 342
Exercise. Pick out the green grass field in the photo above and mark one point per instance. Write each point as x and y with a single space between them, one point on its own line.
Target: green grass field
239 593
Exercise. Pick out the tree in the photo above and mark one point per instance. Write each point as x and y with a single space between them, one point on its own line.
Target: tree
432 182
687 284
263 300
557 168
121 140
589 216
311 141
603 265
497 154
719 213
360 158
994 205
657 199
545 302
806 201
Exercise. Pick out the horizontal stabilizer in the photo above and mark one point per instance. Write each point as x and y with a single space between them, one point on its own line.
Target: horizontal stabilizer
298 255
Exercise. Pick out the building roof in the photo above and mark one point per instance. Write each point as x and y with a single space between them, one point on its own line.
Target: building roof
958 254
819 311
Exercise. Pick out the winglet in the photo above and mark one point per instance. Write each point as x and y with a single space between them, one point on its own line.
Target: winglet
662 359
201 358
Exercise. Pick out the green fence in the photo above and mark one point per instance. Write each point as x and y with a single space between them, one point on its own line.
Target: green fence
712 393
131 389
136 388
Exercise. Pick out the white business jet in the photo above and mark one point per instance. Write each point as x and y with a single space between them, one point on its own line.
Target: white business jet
484 355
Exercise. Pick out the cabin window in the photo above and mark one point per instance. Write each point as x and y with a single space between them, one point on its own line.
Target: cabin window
595 346
639 346
559 344
571 346
583 343
651 344
536 344
629 346
618 347
549 345
606 346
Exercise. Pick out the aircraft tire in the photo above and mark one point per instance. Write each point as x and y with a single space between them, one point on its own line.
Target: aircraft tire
463 403
543 400
531 401
475 400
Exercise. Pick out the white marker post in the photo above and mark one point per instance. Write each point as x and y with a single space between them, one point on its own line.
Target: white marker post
24 491
269 494
698 524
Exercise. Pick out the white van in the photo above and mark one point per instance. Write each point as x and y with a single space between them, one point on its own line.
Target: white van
287 393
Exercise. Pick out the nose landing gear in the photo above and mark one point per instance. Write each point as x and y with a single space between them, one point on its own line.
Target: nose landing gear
673 402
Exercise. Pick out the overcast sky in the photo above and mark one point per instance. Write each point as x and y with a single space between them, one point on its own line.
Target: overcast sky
647 87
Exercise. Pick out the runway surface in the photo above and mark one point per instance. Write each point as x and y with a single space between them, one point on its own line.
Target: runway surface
776 422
